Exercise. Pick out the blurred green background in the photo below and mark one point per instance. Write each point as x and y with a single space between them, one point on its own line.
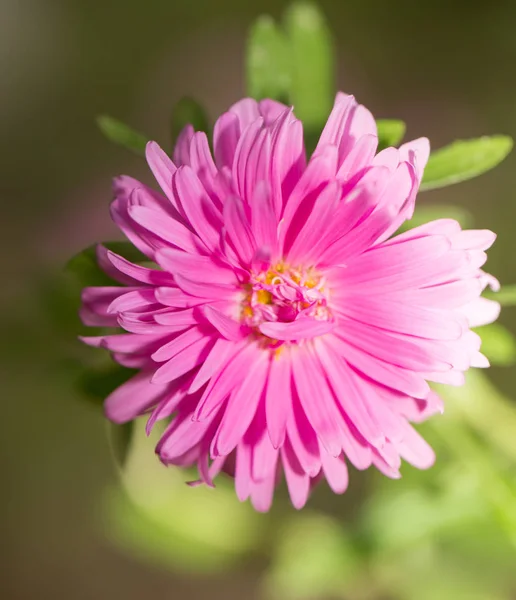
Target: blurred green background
446 68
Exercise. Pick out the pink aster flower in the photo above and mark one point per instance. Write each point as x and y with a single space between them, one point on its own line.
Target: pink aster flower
284 330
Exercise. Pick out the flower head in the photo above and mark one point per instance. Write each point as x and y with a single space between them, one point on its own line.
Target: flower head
283 328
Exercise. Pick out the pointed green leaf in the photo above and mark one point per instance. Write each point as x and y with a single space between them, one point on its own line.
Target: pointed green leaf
268 61
97 383
498 344
188 112
464 159
122 134
506 296
390 132
312 86
85 269
84 265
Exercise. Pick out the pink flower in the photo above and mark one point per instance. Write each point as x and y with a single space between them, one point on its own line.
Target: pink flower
284 328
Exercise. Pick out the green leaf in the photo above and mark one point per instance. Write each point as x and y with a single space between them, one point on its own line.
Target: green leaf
85 269
98 383
390 132
464 159
268 61
498 344
122 134
188 112
84 265
127 250
312 85
506 296
426 213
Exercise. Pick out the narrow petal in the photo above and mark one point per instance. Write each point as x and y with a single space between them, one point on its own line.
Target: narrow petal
296 330
277 401
319 406
162 168
335 471
229 328
184 361
298 481
225 139
182 146
165 228
132 398
238 230
241 408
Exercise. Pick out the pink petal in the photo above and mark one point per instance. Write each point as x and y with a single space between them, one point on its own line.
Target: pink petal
395 377
197 207
278 405
177 317
127 342
238 230
236 367
162 168
206 289
176 298
132 398
165 228
132 300
335 471
317 402
137 272
227 327
415 450
219 355
347 391
176 261
481 312
295 330
241 407
319 171
174 347
264 225
359 157
246 110
298 481
182 147
303 439
312 230
287 158
417 153
252 159
225 139
184 361
402 317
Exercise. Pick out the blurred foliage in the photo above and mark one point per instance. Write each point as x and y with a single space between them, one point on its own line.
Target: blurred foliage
268 61
390 132
498 344
293 63
188 112
122 134
163 520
